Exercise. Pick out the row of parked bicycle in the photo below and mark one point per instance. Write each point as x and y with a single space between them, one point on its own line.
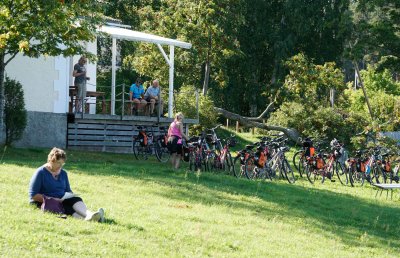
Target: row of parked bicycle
267 158
373 165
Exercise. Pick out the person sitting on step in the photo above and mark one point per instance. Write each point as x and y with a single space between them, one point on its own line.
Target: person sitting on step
136 95
152 96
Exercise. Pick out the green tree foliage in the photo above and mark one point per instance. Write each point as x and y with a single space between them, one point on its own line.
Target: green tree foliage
272 32
384 96
209 25
126 11
14 110
252 48
310 84
44 27
323 122
307 107
375 35
185 102
380 81
243 43
316 28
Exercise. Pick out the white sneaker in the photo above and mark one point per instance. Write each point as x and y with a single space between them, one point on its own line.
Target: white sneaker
101 211
93 216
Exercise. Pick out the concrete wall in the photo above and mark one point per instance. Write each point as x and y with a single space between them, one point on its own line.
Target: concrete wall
44 129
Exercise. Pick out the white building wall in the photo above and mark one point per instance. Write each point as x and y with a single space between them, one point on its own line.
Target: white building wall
37 76
61 84
46 80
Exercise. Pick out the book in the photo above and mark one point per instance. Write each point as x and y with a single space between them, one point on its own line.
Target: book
68 195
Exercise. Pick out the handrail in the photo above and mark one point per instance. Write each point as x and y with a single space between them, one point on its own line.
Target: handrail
121 97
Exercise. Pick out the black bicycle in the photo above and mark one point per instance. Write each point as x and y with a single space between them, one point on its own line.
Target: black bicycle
161 150
146 144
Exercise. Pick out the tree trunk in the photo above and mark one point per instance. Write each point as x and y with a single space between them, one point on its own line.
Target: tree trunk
208 65
261 117
206 77
363 89
291 133
274 72
2 102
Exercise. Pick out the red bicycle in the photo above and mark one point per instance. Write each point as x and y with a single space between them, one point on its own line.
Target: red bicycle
317 168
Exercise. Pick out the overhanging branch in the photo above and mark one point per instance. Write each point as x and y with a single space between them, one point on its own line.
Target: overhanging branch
291 133
263 114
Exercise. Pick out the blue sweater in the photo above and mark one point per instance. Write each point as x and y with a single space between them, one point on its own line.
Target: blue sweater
43 182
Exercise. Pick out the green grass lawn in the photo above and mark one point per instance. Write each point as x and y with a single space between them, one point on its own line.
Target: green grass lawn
152 211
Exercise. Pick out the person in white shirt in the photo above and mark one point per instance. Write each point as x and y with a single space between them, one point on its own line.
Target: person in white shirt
152 96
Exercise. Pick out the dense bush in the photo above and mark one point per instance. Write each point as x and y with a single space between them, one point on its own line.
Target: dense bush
324 122
185 102
15 116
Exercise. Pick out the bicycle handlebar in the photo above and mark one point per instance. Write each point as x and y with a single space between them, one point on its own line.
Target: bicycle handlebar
215 128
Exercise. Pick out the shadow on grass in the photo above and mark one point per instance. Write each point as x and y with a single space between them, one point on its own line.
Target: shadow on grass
129 226
350 218
345 216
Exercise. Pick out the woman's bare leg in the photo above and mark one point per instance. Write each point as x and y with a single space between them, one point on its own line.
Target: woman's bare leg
173 156
177 161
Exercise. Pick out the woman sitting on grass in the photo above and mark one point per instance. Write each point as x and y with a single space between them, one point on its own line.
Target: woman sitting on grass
51 180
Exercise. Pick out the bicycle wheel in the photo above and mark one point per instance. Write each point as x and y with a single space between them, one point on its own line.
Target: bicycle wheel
203 161
250 168
385 176
341 173
298 162
269 173
139 151
295 159
376 176
209 157
229 161
356 177
196 160
192 161
162 153
215 162
311 173
288 171
238 167
351 174
226 166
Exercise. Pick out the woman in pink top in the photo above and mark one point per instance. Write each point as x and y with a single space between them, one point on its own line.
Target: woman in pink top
175 135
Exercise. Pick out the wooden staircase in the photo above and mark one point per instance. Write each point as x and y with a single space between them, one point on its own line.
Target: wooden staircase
111 135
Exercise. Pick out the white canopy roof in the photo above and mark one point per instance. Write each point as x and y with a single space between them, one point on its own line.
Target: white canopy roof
119 32
131 35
